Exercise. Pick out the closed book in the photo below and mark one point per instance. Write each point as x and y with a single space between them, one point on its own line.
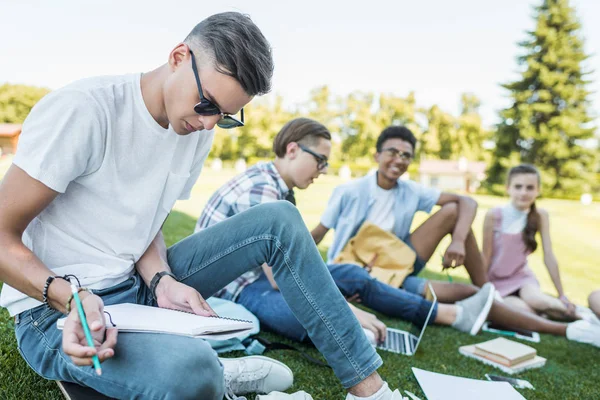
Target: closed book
505 352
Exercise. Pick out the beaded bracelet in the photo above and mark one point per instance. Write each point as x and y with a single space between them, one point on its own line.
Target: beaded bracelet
81 289
49 280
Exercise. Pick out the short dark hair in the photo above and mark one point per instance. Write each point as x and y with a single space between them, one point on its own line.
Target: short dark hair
300 130
396 132
237 48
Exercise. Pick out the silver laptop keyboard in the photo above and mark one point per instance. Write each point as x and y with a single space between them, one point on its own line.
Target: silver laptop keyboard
394 342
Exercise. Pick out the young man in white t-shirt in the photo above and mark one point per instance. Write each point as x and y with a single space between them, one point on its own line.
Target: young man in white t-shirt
99 166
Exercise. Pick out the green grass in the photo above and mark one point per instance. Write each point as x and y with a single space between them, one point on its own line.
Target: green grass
570 373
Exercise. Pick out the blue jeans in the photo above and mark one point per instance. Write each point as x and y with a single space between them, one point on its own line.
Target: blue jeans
413 283
274 313
171 367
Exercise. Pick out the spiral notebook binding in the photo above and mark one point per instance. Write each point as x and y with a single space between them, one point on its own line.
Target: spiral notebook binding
212 316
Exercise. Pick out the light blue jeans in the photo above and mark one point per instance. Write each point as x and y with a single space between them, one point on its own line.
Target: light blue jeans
154 366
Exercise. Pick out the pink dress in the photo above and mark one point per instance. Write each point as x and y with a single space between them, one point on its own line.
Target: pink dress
508 269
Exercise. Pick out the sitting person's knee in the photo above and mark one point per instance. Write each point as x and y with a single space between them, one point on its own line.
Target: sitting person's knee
278 211
195 374
450 210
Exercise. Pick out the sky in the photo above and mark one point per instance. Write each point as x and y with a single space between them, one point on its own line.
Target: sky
438 49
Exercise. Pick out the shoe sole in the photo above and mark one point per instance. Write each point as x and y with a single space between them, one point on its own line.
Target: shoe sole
481 318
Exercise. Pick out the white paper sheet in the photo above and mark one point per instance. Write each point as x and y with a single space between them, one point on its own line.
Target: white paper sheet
448 387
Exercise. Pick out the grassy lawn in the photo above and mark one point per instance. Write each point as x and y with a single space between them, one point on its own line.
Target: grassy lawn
568 374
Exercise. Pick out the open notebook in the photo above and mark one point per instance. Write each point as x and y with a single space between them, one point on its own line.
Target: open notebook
138 318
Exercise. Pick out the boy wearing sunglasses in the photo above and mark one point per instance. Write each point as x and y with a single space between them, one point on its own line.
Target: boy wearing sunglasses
100 164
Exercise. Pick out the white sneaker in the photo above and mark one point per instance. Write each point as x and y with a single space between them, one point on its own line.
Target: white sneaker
475 310
255 374
383 394
587 315
584 332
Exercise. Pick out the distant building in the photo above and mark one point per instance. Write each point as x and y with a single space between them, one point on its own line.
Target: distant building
461 175
9 136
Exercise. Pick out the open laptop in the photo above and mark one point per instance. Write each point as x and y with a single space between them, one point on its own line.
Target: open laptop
403 342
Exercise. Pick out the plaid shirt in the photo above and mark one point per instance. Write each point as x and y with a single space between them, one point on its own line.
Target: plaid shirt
259 184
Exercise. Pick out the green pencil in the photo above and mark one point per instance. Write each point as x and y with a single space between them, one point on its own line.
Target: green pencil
86 328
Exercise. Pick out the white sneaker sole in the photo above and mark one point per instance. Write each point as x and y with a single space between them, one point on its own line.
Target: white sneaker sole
481 318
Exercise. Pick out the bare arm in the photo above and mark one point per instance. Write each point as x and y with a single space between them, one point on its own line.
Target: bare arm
488 238
319 232
549 257
154 260
467 209
22 198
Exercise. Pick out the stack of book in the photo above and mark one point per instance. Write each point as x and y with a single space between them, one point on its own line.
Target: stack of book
507 355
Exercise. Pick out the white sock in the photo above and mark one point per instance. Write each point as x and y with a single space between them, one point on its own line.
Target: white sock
383 393
459 313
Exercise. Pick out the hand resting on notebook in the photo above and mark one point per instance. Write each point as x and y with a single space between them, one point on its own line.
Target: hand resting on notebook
178 296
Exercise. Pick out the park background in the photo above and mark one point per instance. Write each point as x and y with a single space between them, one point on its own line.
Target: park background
483 85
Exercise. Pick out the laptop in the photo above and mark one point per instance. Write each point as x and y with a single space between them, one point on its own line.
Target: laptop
403 342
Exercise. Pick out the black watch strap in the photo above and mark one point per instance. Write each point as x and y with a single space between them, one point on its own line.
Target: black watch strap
156 278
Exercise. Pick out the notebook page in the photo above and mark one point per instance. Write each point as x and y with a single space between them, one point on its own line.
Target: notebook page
140 318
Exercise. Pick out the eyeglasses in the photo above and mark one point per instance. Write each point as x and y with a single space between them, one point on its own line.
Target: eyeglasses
207 107
393 152
322 162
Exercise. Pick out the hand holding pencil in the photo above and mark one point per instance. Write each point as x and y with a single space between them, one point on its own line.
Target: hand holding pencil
95 345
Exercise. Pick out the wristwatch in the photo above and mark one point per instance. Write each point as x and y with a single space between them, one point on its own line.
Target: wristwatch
157 277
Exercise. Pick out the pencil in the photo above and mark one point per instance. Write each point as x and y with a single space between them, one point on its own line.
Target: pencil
86 328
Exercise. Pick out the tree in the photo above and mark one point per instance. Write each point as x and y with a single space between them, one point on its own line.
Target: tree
470 134
548 121
16 101
439 138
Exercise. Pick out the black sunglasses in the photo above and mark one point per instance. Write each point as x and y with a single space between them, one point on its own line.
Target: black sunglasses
404 156
322 162
207 107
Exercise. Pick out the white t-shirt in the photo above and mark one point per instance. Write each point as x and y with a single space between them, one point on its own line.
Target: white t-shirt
118 172
381 212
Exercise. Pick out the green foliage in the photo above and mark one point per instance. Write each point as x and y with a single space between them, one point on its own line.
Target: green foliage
548 119
16 101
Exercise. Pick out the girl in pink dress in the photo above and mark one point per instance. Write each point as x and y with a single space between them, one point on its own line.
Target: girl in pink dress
509 236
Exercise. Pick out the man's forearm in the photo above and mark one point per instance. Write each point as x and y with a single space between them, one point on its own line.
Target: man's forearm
318 233
467 209
154 259
23 270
